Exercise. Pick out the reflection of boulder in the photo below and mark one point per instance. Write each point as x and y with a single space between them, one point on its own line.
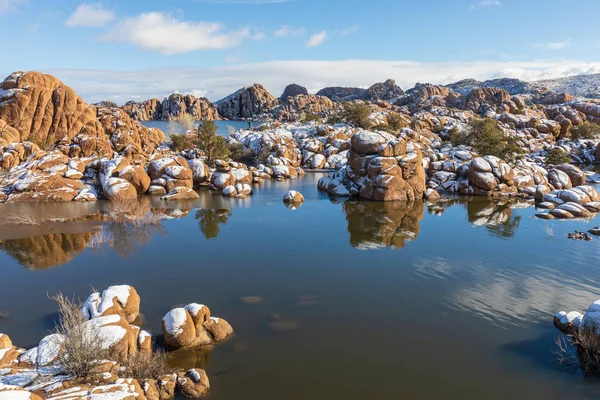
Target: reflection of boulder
383 224
210 220
497 217
46 251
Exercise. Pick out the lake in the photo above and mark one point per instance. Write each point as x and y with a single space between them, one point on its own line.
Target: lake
360 300
223 127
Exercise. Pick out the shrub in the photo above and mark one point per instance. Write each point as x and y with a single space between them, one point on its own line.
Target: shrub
585 130
357 115
264 127
334 119
453 136
384 128
186 121
177 141
580 351
82 348
24 218
488 140
557 156
395 121
240 154
146 365
214 146
438 128
310 117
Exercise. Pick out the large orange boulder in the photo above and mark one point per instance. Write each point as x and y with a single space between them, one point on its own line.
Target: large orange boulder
120 300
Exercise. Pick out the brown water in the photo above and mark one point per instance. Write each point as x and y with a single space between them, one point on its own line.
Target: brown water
373 300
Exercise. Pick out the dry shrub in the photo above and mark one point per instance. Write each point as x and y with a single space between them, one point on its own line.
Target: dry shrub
24 218
82 347
580 351
136 212
146 365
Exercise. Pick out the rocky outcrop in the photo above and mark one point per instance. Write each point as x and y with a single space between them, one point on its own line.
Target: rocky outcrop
147 110
248 102
293 90
171 108
295 108
232 179
39 372
380 167
192 326
42 109
383 91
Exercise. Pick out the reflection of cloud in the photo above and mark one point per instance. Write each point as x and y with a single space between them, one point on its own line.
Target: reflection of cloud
433 267
511 297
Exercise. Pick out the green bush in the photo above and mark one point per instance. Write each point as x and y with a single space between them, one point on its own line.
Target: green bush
213 146
453 136
310 117
384 128
488 140
177 141
335 118
585 130
357 115
395 121
557 156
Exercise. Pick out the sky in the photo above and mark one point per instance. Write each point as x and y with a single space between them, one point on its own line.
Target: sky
133 50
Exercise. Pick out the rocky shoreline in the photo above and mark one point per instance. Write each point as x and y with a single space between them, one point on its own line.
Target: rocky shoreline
109 321
55 147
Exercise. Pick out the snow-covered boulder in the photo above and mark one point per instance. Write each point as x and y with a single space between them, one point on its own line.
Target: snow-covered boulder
192 326
115 300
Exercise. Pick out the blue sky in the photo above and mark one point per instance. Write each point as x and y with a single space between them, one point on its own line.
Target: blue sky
124 50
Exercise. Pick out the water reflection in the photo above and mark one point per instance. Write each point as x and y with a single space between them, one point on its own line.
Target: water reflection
211 220
39 252
374 225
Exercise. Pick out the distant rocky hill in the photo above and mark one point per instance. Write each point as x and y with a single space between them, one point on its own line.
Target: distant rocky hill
387 91
171 108
579 86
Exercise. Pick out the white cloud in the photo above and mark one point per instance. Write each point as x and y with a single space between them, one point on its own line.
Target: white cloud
317 39
90 15
9 5
554 45
484 4
97 85
288 31
252 2
164 33
349 30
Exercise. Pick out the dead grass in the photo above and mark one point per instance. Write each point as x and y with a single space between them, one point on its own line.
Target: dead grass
24 218
146 365
82 347
580 351
136 212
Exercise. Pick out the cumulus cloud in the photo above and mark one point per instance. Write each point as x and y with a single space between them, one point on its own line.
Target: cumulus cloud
317 39
167 35
9 5
90 15
554 45
288 31
218 82
484 4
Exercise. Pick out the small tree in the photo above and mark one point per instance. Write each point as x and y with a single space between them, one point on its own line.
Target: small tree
357 114
177 141
557 156
488 140
395 121
585 130
310 117
214 146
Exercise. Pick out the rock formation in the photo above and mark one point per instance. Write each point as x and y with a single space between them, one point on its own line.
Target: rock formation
293 90
248 102
171 108
192 326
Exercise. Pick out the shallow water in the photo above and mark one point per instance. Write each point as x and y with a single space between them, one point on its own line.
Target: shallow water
374 300
223 127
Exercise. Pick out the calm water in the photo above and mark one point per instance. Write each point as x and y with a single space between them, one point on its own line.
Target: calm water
223 127
374 300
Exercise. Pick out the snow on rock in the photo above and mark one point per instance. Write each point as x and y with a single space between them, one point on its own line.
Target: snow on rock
121 300
49 349
192 326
